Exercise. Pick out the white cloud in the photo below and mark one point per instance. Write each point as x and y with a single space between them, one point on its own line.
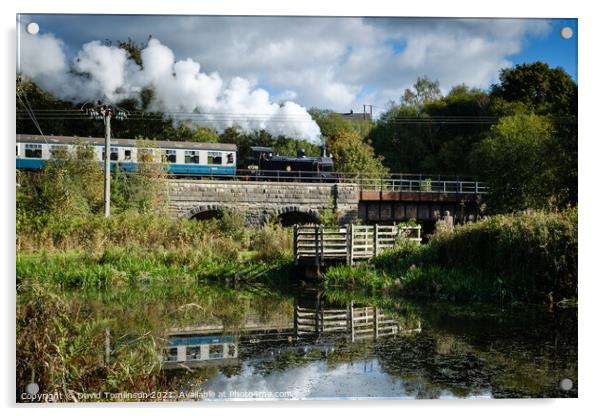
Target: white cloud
330 62
105 72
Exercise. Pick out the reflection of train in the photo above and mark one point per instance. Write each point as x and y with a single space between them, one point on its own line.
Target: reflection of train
181 158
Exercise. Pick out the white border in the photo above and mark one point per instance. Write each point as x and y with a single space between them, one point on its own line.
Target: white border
590 289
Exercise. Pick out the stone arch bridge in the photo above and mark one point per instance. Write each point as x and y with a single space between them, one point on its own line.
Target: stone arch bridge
305 202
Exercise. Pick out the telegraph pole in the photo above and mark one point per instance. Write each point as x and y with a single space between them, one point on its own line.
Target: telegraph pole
105 112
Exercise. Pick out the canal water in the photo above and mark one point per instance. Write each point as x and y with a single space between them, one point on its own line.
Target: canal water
311 343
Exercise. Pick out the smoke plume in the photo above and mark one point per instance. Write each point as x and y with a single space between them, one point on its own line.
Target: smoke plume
101 72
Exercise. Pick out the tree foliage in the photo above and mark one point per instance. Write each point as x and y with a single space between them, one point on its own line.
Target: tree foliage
351 154
540 88
424 91
513 160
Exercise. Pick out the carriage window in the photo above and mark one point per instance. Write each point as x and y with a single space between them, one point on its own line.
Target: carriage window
114 154
191 156
216 351
231 350
58 150
193 353
127 154
172 354
33 151
169 156
230 158
214 158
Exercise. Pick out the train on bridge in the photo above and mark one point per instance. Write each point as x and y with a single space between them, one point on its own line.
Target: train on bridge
188 159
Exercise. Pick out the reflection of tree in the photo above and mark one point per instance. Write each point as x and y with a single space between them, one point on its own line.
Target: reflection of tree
520 352
232 370
427 369
272 310
350 353
287 360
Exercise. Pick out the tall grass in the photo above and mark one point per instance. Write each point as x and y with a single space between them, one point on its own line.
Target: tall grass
526 257
61 333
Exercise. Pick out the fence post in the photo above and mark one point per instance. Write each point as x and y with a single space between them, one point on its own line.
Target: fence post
351 238
322 244
347 244
375 318
296 319
375 238
295 243
351 323
316 245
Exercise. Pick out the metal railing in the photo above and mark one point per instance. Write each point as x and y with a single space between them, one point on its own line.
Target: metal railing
399 182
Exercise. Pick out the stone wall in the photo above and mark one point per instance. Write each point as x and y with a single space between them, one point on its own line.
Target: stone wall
261 201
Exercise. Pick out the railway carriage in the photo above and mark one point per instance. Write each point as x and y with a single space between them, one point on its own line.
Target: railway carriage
181 158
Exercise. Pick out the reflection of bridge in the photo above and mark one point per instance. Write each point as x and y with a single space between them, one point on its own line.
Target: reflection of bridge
291 199
213 345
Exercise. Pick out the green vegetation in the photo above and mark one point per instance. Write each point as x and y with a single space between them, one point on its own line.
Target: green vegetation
521 137
522 257
61 333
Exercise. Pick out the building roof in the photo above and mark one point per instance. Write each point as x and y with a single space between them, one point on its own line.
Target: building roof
357 116
100 141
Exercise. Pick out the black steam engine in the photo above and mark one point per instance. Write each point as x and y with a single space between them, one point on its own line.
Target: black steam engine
263 162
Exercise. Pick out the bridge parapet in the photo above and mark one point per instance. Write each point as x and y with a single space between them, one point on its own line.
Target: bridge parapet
261 201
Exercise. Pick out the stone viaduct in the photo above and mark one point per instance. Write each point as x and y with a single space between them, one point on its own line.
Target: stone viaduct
302 202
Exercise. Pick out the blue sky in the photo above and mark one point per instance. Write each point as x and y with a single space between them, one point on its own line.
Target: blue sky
336 63
553 48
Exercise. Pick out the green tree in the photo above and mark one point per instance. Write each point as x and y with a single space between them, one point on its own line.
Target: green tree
549 91
351 154
423 92
70 185
331 123
435 137
542 89
515 162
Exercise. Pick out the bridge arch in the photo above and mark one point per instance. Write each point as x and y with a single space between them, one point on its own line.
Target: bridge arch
206 212
291 215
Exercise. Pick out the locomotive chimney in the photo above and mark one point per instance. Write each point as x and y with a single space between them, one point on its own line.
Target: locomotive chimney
301 153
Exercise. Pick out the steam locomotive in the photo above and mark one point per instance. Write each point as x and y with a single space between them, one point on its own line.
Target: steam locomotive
263 162
181 158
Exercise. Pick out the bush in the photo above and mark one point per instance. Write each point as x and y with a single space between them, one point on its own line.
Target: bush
272 243
526 257
535 252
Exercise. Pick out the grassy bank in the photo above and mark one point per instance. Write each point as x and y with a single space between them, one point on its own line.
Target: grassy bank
94 251
61 334
527 257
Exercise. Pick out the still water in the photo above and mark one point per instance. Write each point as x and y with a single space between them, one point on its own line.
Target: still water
320 344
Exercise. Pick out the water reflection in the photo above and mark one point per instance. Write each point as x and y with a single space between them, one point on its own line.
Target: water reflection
321 345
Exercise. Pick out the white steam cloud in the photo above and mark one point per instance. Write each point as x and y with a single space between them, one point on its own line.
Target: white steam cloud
107 73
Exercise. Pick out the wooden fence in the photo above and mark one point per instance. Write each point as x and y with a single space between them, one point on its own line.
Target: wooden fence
315 244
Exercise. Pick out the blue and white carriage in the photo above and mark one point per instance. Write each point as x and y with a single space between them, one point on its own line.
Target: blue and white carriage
181 158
